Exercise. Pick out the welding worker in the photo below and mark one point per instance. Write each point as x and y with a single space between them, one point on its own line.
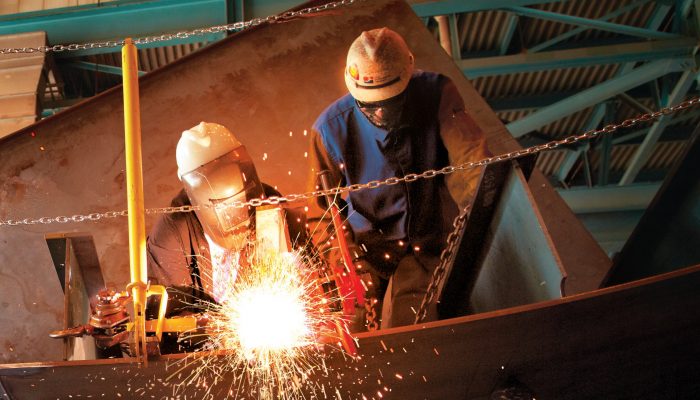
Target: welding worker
198 253
397 120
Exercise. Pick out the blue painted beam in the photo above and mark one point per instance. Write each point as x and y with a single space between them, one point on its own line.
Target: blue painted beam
576 31
533 101
598 113
644 151
508 32
590 23
263 8
678 133
568 163
430 8
611 229
633 52
527 102
572 156
119 20
107 69
236 11
596 94
609 198
659 15
605 147
65 10
455 44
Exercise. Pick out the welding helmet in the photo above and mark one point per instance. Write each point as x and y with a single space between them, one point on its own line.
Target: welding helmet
217 172
378 69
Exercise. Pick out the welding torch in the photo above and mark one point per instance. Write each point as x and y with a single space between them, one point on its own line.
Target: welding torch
350 283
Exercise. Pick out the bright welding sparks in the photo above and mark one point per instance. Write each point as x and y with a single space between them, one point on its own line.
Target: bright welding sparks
271 312
270 328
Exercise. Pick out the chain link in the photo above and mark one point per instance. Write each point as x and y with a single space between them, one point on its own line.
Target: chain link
452 240
273 200
371 314
445 259
232 27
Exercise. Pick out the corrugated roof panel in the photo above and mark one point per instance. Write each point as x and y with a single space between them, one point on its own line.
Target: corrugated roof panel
665 154
510 116
541 82
482 31
570 125
621 155
549 161
536 31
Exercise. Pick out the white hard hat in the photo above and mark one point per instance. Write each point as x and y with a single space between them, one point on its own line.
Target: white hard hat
379 65
202 144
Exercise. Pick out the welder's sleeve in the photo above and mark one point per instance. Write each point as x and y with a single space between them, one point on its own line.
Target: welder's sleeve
464 141
321 160
168 254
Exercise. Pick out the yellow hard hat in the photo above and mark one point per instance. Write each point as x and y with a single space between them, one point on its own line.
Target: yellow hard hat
379 65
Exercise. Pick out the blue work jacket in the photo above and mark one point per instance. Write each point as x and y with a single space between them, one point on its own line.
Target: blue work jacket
434 132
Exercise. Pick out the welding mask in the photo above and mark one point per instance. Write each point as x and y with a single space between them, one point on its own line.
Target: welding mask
216 182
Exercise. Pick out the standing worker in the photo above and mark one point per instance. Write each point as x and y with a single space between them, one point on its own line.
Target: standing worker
397 121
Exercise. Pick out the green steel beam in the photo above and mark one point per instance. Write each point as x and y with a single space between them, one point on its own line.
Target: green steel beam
614 54
430 8
107 69
508 32
596 94
568 162
685 7
681 135
534 101
654 23
587 170
590 23
644 151
236 11
66 10
527 101
118 20
456 45
632 102
263 8
600 109
573 155
659 15
609 198
605 147
576 31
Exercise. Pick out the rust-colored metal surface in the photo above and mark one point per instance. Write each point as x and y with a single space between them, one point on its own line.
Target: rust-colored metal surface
267 84
637 340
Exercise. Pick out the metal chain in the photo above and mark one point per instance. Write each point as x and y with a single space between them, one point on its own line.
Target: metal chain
452 240
274 200
232 27
445 258
371 314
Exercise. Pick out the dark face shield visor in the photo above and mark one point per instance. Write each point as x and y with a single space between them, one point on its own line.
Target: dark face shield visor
384 114
217 186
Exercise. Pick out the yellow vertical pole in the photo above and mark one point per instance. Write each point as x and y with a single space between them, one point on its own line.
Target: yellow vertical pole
134 192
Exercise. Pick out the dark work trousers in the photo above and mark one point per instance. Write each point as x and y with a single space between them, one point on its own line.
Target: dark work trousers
407 287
